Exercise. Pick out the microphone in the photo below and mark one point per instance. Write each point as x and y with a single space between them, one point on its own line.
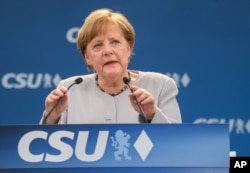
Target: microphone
142 115
77 81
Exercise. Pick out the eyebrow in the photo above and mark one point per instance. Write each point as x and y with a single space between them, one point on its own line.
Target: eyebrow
100 40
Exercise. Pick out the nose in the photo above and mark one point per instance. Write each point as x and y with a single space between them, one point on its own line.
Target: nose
107 50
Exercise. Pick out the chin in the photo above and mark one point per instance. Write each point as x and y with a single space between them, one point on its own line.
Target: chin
113 72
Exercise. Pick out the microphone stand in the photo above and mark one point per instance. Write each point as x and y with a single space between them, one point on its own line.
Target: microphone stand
77 81
142 115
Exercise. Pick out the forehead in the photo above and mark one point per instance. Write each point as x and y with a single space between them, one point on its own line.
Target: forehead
105 28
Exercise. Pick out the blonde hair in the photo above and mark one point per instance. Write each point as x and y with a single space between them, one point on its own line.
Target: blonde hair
96 23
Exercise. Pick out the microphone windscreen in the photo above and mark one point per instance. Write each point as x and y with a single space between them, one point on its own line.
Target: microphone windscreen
126 80
78 80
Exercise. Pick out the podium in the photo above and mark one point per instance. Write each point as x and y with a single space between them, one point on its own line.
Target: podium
109 148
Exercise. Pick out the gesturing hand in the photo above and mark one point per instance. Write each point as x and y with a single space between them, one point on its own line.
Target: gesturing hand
146 100
52 99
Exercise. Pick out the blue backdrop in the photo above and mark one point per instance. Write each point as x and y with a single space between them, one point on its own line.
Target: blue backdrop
203 45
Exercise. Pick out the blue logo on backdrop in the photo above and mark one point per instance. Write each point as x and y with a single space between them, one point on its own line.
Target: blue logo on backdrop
236 125
71 34
181 80
29 80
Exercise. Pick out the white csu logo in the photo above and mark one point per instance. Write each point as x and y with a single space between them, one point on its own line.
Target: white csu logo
65 150
120 141
71 34
29 80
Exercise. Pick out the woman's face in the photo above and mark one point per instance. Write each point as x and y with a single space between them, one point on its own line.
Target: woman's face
109 53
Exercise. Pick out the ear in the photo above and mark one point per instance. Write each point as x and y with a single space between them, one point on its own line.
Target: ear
129 50
129 53
87 59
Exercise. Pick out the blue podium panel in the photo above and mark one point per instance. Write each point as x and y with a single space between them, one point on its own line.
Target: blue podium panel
115 147
116 170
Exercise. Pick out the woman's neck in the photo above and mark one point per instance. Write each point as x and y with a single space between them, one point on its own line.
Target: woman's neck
114 87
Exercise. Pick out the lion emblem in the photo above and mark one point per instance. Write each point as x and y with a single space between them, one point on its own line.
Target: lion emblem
120 142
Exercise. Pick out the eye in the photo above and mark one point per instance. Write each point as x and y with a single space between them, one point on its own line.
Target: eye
115 42
97 46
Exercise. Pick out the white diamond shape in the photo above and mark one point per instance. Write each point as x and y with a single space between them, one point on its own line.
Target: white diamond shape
56 79
248 126
143 145
185 80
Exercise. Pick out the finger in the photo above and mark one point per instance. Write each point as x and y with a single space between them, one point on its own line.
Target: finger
55 95
60 91
63 89
141 94
133 101
146 100
144 97
134 88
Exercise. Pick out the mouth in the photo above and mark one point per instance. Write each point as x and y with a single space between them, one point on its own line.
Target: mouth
110 62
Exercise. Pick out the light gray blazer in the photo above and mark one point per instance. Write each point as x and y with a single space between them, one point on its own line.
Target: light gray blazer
87 104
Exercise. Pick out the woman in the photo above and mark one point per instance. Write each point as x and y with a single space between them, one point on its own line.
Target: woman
106 42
